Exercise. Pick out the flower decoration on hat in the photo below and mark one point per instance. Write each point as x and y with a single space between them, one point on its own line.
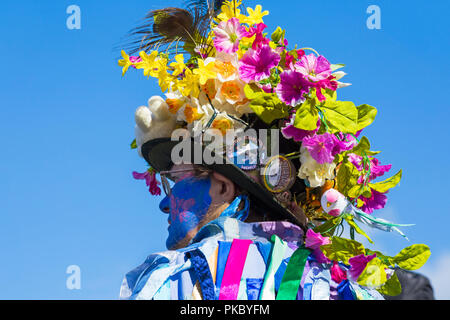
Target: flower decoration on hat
235 70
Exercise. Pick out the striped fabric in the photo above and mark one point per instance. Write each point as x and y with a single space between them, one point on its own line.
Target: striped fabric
230 259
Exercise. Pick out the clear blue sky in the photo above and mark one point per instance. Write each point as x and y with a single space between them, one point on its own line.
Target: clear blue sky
67 196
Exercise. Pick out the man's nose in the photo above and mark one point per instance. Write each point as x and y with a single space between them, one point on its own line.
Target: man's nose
164 205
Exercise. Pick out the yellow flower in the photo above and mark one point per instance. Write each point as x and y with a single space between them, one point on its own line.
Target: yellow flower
179 65
147 63
255 16
230 10
125 62
205 72
189 85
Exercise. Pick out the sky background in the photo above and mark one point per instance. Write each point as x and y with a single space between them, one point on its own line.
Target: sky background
67 196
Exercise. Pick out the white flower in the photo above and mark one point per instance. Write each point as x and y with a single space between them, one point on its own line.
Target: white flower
314 172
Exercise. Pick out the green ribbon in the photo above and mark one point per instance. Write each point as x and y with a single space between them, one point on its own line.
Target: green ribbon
278 251
292 277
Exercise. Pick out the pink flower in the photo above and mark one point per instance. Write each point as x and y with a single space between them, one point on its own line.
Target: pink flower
228 33
260 40
321 147
375 202
134 59
314 241
255 65
290 58
376 170
337 274
344 142
313 68
150 180
291 132
328 83
357 265
292 87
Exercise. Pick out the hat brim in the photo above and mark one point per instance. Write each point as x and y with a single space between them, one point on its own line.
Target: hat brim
158 153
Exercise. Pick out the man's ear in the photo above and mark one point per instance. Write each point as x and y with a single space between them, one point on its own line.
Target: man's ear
222 188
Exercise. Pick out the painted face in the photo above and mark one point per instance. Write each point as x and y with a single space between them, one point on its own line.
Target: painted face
188 203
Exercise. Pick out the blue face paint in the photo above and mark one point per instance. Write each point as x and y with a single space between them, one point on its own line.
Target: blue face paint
188 204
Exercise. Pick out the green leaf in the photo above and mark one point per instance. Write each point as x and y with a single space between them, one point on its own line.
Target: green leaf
374 274
366 115
341 116
133 145
252 91
342 249
337 66
307 116
387 184
392 287
327 228
363 148
269 107
413 257
387 260
353 224
347 177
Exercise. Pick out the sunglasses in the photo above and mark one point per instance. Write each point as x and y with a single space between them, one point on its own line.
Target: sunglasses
168 176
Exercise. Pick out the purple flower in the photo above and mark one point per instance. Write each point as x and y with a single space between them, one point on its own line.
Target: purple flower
321 147
292 87
358 264
313 68
291 132
227 35
376 170
328 83
343 143
150 180
314 241
376 201
260 40
255 65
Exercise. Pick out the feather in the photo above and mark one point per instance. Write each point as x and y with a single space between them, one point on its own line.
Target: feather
166 29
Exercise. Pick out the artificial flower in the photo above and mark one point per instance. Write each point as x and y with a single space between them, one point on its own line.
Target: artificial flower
357 265
147 62
178 66
205 70
376 170
255 16
228 33
375 202
314 241
337 274
320 147
328 83
125 62
291 58
150 179
189 85
292 88
257 32
315 173
255 65
313 68
289 131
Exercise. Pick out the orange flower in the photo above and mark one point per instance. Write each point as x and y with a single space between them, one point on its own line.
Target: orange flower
226 69
222 124
174 105
191 114
210 88
231 90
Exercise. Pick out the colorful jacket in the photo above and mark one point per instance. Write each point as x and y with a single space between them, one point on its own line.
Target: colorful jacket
230 259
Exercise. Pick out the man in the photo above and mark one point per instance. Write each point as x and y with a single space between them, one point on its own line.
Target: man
261 166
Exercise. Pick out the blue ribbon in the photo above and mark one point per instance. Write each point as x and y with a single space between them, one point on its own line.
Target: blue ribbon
201 268
231 210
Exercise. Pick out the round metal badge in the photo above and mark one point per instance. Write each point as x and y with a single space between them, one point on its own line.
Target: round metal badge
278 174
247 152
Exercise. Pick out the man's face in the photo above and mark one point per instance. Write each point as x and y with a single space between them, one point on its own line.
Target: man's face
187 205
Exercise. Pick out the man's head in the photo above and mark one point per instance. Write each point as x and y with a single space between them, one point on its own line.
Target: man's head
196 196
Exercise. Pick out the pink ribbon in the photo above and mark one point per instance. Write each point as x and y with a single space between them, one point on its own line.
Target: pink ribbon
233 269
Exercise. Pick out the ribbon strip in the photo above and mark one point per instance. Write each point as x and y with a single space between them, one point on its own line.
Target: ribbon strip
278 251
201 269
233 269
293 275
